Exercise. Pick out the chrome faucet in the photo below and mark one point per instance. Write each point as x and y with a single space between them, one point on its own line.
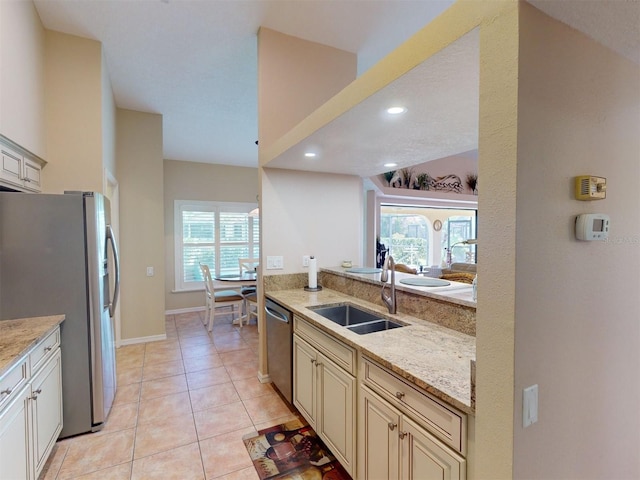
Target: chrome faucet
389 299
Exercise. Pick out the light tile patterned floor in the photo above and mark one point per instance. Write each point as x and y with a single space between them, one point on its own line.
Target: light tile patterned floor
182 408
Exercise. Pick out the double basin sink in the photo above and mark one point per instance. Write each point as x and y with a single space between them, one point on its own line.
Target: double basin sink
355 319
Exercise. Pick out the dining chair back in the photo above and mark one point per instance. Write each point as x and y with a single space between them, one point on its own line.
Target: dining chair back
215 300
248 264
249 293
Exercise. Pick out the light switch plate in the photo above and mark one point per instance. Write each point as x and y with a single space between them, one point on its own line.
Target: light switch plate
529 405
150 272
275 263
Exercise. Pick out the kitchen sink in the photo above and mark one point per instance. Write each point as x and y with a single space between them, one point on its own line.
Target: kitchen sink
346 314
376 326
355 319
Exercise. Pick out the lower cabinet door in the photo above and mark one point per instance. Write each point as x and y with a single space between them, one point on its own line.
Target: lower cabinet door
336 417
14 442
46 404
379 426
304 379
424 457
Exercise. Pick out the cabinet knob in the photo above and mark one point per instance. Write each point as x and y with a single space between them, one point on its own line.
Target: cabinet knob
399 395
402 435
392 426
36 393
6 391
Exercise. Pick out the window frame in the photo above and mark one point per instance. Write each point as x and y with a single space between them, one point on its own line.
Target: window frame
180 206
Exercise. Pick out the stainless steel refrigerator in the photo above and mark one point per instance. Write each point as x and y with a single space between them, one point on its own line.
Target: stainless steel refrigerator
55 257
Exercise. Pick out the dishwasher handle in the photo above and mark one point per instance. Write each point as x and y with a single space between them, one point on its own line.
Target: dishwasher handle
276 315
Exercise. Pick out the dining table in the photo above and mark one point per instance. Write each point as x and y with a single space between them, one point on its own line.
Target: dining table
235 281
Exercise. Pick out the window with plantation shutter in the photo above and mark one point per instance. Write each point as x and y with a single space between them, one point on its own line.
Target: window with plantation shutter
215 233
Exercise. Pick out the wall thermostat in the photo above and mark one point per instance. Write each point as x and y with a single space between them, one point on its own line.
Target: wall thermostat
592 226
589 187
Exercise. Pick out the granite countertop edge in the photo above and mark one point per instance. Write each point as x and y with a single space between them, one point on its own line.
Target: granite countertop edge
434 358
456 292
19 336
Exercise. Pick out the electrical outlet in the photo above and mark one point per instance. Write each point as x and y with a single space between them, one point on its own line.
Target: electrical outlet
305 260
150 272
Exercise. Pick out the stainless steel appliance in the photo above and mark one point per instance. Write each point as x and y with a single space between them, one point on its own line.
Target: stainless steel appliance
54 259
280 347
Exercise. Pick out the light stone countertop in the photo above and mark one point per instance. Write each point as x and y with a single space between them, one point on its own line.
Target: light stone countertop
434 358
457 293
17 337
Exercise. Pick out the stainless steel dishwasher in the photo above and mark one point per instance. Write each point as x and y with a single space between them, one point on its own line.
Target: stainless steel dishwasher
280 347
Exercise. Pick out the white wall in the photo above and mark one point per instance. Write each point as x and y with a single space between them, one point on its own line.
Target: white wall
577 305
316 214
22 117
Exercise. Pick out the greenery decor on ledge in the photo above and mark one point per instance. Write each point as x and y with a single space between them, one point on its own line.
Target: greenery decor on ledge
407 178
472 182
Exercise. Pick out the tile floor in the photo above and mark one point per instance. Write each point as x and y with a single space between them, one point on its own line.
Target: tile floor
182 408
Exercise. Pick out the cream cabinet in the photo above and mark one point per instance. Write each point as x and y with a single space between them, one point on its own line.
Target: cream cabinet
31 410
19 169
324 389
405 434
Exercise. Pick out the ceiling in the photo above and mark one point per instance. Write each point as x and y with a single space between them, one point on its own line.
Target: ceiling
195 61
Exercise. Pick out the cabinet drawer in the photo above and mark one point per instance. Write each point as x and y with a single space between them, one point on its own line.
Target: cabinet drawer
44 350
334 349
13 381
442 421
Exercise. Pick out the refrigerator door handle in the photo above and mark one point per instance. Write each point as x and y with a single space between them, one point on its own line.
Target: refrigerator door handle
116 261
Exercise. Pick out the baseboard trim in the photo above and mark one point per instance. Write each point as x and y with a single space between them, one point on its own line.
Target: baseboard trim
134 341
264 378
178 311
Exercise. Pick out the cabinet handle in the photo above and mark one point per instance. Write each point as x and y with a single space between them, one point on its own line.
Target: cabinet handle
6 391
318 364
399 395
313 361
36 393
48 349
402 435
392 426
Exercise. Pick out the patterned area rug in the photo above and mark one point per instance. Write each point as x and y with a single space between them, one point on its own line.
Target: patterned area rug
293 451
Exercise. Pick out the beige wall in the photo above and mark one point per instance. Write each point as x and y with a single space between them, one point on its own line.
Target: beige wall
22 117
198 181
74 113
497 162
295 77
108 125
577 329
140 175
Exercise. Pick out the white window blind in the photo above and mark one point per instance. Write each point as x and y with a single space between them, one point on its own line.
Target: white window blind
215 233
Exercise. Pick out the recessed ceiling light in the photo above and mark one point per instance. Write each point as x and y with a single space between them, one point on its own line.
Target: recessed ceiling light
390 165
309 154
396 110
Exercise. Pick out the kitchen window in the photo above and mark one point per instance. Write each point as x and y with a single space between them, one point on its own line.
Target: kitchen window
410 234
215 233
